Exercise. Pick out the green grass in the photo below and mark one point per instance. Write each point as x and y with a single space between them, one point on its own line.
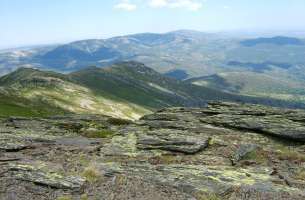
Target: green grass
67 197
84 197
98 134
136 88
107 84
16 106
7 109
208 197
266 84
41 93
73 127
290 154
300 174
118 122
259 156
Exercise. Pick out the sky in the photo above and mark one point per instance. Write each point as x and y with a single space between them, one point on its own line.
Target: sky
33 22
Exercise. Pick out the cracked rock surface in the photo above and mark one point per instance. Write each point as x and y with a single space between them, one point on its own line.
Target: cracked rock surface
224 151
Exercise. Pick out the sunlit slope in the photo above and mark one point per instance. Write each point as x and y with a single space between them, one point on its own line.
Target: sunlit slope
52 90
125 90
255 84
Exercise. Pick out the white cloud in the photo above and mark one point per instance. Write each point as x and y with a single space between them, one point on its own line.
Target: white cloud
192 5
158 3
126 5
131 5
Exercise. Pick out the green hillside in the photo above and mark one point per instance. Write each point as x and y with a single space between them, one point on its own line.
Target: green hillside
136 83
48 93
125 90
182 55
255 84
17 106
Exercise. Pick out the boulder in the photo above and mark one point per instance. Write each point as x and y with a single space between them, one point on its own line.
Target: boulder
242 152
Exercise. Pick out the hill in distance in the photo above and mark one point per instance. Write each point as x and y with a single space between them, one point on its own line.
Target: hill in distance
279 40
196 53
124 90
52 93
254 84
183 54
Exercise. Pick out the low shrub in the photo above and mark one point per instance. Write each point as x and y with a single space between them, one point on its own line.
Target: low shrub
118 122
91 174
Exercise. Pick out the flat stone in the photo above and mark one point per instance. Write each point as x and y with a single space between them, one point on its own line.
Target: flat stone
182 145
11 145
35 175
259 119
221 180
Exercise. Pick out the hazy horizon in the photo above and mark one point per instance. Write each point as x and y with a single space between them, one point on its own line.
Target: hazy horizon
34 22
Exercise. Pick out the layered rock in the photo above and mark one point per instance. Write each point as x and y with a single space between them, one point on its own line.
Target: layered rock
185 145
223 151
286 124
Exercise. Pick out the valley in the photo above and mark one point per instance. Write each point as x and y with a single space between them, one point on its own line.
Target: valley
269 66
152 100
124 90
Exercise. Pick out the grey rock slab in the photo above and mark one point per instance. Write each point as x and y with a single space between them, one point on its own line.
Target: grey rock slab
11 145
182 145
35 175
194 179
271 125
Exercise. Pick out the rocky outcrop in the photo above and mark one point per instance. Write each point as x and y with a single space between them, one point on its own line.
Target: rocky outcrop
197 179
223 151
12 146
286 124
174 144
38 176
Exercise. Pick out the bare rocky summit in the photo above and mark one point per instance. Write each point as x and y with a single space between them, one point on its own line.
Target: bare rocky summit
224 151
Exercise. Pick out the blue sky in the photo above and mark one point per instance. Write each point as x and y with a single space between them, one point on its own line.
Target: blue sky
28 22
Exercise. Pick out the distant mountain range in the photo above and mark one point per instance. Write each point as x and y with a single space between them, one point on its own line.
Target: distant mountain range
194 52
263 67
279 40
125 90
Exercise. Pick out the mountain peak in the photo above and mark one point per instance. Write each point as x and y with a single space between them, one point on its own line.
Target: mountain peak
27 75
189 34
130 63
131 66
27 70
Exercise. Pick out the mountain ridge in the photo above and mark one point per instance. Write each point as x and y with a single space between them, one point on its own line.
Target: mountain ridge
188 53
277 40
125 90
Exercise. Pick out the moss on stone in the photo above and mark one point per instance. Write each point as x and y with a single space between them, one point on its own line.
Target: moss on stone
67 197
207 197
98 133
286 153
118 122
259 156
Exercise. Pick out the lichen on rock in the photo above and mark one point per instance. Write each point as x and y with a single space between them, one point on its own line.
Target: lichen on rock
223 151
